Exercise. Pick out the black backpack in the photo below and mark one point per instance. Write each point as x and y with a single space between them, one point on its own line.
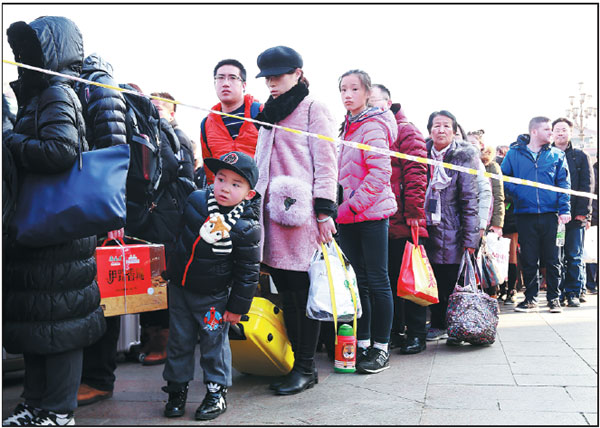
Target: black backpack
145 167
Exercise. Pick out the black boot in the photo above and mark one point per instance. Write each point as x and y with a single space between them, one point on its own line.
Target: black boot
511 282
413 345
214 403
397 340
299 379
280 381
177 398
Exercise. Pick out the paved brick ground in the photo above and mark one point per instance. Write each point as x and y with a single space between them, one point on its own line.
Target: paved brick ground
542 370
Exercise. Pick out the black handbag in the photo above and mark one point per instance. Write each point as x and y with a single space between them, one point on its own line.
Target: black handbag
88 199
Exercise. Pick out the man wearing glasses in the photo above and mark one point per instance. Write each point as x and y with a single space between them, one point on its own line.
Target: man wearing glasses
223 134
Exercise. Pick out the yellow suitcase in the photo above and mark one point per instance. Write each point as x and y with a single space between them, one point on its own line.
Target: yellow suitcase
259 343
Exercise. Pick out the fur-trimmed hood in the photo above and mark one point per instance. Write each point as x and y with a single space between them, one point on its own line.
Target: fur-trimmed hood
462 153
50 42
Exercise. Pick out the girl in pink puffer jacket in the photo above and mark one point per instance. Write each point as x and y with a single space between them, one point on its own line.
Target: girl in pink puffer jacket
367 203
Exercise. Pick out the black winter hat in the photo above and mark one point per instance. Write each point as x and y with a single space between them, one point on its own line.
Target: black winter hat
237 162
278 60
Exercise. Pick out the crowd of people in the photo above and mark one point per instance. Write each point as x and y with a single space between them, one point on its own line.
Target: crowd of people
257 198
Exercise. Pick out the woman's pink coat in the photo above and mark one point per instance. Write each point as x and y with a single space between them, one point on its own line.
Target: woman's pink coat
307 159
365 175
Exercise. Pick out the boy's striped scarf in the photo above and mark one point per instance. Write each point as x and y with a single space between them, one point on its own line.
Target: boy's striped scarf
217 226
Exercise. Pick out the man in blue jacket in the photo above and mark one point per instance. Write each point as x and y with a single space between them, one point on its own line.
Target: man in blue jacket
537 211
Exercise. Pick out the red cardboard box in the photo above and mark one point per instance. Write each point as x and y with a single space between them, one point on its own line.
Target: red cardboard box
129 278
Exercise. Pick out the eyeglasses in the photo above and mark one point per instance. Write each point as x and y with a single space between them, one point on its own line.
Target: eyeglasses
230 77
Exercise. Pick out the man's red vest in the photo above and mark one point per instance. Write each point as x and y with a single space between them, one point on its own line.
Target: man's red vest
220 142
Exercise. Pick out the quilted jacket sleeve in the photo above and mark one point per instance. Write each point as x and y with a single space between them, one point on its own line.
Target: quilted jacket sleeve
105 115
415 173
55 147
246 268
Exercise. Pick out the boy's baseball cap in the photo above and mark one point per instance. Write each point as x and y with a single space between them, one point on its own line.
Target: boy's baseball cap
237 162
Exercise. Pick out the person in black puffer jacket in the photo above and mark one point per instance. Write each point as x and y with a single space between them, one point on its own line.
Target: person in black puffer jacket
163 223
104 108
104 112
212 275
51 302
9 176
163 227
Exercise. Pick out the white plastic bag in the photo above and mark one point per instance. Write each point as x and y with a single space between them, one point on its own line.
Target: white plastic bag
499 249
319 305
590 245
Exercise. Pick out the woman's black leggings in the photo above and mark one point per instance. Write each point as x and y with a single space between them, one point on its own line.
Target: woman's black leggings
302 331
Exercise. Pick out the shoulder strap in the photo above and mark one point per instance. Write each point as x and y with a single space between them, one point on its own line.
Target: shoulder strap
93 78
76 125
254 109
203 132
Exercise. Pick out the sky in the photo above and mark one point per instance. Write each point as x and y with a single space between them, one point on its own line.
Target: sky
493 66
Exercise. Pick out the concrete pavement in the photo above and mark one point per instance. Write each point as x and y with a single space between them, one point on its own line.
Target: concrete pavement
542 370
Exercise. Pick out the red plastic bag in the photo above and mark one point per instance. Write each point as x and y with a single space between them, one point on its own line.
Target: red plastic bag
416 281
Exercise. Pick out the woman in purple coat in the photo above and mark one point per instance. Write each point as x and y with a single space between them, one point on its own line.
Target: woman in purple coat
452 212
298 182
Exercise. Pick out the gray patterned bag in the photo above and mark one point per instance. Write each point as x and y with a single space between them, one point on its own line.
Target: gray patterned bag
472 315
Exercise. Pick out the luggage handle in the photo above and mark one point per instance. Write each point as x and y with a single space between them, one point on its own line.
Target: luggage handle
237 330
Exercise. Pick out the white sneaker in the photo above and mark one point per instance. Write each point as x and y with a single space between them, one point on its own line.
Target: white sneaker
46 417
22 415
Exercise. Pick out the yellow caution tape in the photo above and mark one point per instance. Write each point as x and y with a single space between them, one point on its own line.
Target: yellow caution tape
360 146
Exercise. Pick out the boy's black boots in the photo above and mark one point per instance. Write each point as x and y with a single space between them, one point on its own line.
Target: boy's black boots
214 402
177 398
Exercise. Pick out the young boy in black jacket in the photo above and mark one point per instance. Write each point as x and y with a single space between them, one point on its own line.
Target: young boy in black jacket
213 275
